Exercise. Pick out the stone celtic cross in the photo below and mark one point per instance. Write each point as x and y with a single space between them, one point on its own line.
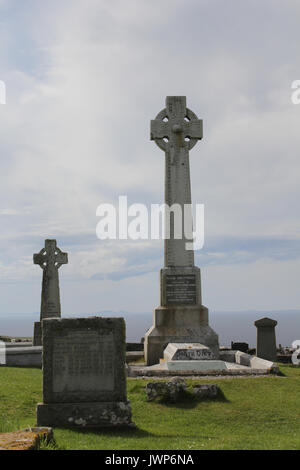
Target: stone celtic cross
180 316
176 129
50 259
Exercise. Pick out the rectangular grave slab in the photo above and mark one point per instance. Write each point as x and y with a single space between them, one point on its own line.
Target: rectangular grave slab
84 380
197 366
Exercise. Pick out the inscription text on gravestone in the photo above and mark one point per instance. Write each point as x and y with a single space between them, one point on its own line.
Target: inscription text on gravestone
83 362
181 289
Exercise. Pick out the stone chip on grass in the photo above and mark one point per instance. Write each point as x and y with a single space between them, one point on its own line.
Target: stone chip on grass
206 391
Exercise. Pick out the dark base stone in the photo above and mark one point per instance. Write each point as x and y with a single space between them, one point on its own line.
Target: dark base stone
135 346
37 334
82 415
244 347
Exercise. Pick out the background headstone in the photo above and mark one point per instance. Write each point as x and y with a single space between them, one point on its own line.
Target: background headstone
266 339
84 380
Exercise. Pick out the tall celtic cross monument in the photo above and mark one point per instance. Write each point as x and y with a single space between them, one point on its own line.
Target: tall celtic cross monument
50 259
181 317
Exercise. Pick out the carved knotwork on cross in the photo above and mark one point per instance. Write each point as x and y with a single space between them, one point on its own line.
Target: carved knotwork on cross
51 256
176 126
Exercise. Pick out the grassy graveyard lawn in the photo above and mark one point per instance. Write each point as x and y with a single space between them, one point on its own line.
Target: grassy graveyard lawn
255 413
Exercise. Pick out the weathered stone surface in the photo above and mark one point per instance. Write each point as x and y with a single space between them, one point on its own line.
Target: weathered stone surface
168 391
181 124
84 380
159 370
185 324
181 317
37 333
196 366
266 339
252 362
84 415
45 433
206 391
133 356
255 362
24 356
18 344
50 259
187 352
28 439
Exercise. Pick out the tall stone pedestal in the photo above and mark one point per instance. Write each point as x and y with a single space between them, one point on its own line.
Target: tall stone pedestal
181 318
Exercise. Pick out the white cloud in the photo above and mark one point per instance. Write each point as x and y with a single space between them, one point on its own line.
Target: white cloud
75 129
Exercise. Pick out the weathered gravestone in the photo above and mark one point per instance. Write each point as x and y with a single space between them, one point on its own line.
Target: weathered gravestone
84 380
50 260
181 317
266 339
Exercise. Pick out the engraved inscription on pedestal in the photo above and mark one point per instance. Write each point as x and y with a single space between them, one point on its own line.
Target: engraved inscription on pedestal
83 361
180 289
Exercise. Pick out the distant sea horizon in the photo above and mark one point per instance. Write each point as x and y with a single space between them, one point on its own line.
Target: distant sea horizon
229 325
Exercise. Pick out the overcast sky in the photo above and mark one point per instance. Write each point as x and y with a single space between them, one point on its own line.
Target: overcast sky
83 80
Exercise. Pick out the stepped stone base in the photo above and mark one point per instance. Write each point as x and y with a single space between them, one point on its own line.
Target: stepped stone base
180 324
81 415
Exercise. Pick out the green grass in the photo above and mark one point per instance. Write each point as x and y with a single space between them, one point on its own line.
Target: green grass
256 413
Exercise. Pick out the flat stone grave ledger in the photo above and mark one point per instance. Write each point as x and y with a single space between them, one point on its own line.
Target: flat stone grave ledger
83 360
187 352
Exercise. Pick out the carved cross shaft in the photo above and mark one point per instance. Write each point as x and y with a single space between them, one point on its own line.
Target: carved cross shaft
176 129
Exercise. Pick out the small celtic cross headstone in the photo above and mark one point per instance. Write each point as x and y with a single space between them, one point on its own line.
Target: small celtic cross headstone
50 259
